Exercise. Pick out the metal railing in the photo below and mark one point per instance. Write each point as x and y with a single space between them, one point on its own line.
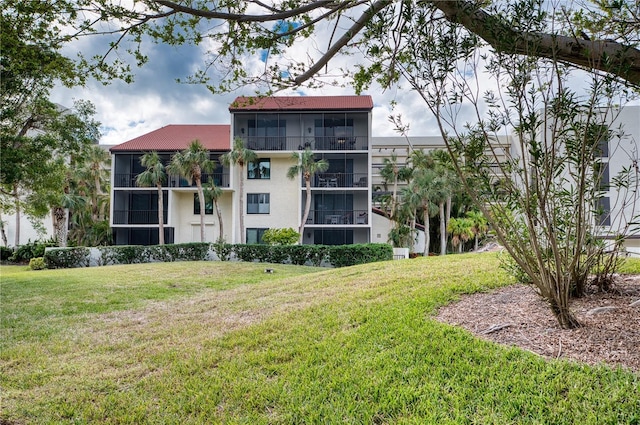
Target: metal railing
339 180
293 143
129 180
137 217
338 217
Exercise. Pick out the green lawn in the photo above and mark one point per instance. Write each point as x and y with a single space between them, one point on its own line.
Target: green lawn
211 342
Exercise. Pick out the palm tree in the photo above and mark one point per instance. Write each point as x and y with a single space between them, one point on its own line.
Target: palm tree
190 163
214 193
240 156
447 181
154 175
479 225
460 229
392 171
423 189
306 165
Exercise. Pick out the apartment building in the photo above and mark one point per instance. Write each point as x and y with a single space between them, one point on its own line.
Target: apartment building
134 209
335 128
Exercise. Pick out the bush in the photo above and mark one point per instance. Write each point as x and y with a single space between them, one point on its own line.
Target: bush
26 252
222 249
338 256
5 253
37 263
65 258
349 255
195 251
286 236
298 254
124 254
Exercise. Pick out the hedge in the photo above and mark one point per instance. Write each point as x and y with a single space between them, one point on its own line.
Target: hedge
66 258
316 255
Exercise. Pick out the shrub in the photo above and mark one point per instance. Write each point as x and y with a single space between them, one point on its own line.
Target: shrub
5 253
286 236
124 254
30 250
37 263
62 258
195 251
246 253
298 254
222 249
349 255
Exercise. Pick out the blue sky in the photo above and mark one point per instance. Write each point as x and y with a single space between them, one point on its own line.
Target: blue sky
155 99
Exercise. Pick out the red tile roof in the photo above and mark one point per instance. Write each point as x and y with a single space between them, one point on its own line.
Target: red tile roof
176 137
301 103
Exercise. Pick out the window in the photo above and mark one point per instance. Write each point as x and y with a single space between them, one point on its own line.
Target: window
601 175
208 205
599 135
603 212
260 169
257 203
255 235
267 132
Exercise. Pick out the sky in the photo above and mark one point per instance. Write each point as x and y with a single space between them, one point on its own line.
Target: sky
155 99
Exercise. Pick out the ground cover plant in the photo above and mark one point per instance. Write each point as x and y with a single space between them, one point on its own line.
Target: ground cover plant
220 342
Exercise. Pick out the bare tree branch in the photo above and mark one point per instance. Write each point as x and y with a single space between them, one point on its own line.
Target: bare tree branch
342 41
240 17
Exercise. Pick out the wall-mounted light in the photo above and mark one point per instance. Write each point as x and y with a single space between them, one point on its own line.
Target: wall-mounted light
309 130
242 130
309 235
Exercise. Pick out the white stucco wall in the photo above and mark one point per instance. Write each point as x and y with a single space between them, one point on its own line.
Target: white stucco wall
28 232
284 197
187 224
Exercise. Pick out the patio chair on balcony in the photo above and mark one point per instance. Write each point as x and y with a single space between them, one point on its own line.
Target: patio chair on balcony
361 218
361 183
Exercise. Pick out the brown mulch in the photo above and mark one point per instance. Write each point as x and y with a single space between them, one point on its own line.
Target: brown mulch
517 316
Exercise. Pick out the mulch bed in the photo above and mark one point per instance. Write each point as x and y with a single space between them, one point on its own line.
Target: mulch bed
517 316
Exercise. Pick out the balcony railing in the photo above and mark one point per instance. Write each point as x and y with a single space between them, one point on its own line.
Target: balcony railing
129 180
293 143
339 180
137 217
338 217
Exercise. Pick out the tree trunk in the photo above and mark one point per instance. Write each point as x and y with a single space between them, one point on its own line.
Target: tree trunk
3 232
475 244
58 218
219 214
563 315
443 230
16 238
161 214
307 207
427 234
241 202
201 199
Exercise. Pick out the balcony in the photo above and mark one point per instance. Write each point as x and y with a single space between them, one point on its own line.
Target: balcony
338 217
137 217
338 180
296 143
129 180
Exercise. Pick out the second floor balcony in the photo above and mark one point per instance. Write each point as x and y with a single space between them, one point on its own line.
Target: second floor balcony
221 179
338 217
339 180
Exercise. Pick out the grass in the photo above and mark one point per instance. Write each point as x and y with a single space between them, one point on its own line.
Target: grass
201 343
